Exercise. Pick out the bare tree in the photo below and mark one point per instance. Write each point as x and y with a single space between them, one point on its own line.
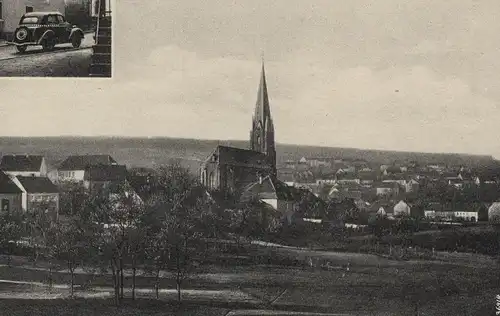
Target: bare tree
177 206
110 215
11 230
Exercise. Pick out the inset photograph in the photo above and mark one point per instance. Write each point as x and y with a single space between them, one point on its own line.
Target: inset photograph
56 38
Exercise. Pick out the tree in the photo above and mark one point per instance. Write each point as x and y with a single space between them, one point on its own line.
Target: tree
110 214
42 228
72 198
11 230
177 205
68 245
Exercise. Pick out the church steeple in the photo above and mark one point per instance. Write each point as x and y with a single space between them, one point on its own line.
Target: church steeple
262 134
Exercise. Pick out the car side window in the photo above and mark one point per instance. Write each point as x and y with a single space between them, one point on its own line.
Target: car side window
51 19
60 19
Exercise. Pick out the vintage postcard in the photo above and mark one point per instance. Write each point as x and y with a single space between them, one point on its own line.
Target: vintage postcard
249 157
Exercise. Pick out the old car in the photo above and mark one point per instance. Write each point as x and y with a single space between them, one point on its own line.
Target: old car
46 29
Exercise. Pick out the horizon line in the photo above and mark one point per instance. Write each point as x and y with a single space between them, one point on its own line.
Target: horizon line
244 140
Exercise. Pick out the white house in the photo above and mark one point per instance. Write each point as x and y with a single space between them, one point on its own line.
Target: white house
273 193
73 168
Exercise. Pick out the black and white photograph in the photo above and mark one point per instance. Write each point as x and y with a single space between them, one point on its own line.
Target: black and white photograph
250 157
55 38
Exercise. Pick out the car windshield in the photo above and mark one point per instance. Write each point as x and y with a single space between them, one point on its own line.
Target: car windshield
29 20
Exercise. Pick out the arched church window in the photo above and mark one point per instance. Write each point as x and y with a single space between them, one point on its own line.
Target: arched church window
204 177
230 184
211 180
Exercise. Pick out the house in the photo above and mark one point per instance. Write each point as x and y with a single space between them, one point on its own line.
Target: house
347 177
401 209
452 215
412 186
387 188
142 184
38 192
24 165
10 195
347 190
367 177
287 176
98 177
73 167
11 12
392 170
274 193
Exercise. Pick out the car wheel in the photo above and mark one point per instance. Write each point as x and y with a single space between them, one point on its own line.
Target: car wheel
76 41
21 49
48 44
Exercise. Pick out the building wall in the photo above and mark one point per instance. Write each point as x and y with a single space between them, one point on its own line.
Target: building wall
228 177
71 175
49 199
14 9
43 168
14 201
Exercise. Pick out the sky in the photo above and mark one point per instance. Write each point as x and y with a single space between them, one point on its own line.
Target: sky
415 75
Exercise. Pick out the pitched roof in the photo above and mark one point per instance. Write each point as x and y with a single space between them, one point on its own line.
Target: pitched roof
232 155
38 185
268 188
105 173
80 162
21 163
7 185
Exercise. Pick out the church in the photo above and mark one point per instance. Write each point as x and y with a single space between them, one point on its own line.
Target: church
251 173
231 169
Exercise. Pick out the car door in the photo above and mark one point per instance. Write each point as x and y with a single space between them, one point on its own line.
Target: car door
65 28
53 24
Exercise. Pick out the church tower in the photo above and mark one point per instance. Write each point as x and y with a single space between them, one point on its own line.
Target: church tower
262 133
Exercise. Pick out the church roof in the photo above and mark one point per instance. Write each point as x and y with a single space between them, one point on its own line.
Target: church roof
238 156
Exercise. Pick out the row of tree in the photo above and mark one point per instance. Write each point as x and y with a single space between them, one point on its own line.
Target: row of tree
113 230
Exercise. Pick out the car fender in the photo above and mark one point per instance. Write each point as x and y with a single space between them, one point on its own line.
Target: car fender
45 35
76 31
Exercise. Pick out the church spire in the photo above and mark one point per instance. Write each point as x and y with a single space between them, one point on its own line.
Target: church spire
262 111
262 134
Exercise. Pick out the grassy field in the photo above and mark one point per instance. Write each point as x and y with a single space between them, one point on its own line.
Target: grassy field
64 307
372 285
